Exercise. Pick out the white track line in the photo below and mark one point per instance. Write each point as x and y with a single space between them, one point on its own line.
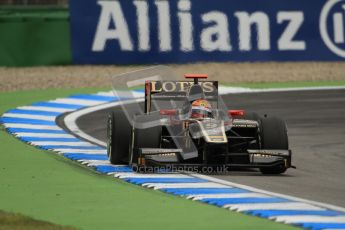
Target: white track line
28 126
272 206
111 94
157 186
61 143
228 195
46 135
106 94
95 162
84 151
28 116
71 101
138 175
309 219
45 109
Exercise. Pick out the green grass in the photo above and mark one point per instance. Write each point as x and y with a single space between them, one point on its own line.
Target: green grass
48 187
265 85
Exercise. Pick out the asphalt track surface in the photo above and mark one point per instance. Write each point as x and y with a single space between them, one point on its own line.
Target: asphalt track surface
316 126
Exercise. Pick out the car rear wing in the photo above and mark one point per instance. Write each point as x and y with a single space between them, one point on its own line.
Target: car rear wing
176 91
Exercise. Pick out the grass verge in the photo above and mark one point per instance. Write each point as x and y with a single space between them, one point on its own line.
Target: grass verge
48 187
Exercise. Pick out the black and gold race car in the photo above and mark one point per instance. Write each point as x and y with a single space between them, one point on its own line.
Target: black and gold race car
185 125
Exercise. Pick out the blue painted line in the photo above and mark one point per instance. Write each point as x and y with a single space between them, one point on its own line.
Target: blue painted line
269 213
33 112
23 130
30 139
13 120
163 180
81 156
58 105
223 201
95 97
193 191
109 169
319 226
57 147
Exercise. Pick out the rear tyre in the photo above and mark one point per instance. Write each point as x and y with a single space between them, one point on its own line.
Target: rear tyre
118 136
274 136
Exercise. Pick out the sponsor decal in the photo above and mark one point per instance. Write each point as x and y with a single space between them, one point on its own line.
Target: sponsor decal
166 31
167 154
332 21
159 151
262 155
179 86
211 125
244 126
269 152
112 12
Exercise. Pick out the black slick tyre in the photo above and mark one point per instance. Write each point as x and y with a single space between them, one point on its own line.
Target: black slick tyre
118 137
274 136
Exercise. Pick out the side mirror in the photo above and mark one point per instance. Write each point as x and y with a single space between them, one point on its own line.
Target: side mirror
236 113
170 112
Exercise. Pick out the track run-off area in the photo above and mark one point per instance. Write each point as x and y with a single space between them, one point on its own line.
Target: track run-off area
316 131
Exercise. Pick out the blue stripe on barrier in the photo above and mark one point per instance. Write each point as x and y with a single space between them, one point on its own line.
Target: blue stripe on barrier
57 147
248 200
94 97
14 120
58 105
194 191
319 226
30 139
81 156
33 112
109 168
269 213
163 180
22 130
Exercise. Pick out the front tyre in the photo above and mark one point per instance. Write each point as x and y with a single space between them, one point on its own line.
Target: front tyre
274 136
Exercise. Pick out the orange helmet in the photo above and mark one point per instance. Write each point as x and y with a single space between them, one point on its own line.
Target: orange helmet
201 108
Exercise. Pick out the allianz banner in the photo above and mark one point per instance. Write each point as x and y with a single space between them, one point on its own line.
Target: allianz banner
180 31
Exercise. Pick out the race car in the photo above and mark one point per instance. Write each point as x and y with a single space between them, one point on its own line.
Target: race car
186 126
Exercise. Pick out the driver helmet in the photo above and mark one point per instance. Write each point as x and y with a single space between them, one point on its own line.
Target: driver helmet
201 108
